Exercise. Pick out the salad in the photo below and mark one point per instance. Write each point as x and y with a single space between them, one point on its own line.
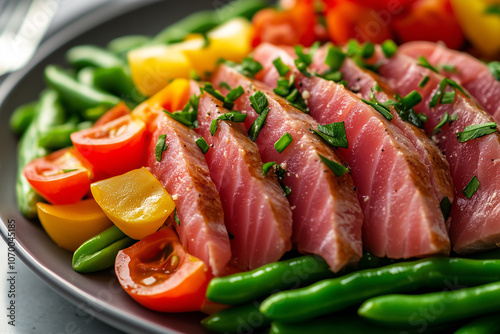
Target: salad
130 166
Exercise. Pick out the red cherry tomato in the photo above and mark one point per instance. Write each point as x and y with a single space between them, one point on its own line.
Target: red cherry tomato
115 147
159 274
296 25
347 20
430 20
62 177
117 111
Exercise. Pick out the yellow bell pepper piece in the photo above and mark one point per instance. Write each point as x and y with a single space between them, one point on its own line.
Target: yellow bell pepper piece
71 225
482 29
136 202
229 41
152 67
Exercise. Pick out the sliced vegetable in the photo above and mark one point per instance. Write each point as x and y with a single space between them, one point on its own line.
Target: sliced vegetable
135 201
159 274
62 177
234 319
114 147
72 224
99 252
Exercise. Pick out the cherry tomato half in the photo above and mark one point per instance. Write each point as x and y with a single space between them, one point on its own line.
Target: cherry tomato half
117 111
115 147
159 274
62 177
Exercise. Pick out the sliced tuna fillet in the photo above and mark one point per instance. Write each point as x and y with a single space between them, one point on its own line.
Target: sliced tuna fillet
327 217
183 171
403 218
468 71
257 213
475 221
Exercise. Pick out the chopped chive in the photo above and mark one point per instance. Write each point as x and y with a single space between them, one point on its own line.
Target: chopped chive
353 48
334 134
494 68
381 108
267 167
471 187
228 100
448 97
334 58
282 143
445 207
411 100
161 146
416 119
209 88
257 125
389 48
194 75
337 169
303 60
422 117
176 218
189 114
287 190
367 50
258 101
438 94
281 67
448 68
476 131
331 76
202 144
493 9
377 87
231 116
456 85
250 67
422 61
423 82
225 85
69 170
233 95
447 119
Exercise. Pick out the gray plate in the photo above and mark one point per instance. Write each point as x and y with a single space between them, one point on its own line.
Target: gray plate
99 294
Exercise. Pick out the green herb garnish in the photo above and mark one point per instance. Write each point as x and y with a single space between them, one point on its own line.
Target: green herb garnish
202 144
445 207
422 61
334 134
471 187
336 168
423 82
161 146
281 144
389 48
476 131
231 116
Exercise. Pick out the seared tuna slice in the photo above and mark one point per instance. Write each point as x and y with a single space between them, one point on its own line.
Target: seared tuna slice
327 217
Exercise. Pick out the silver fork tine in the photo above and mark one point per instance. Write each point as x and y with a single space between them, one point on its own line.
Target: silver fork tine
25 28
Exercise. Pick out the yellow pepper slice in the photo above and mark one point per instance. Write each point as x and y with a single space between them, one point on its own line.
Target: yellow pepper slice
72 224
136 202
482 29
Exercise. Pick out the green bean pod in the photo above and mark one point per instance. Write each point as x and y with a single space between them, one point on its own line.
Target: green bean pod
488 324
203 21
115 81
100 252
245 287
336 294
121 45
21 117
58 136
89 55
48 113
346 324
433 308
74 94
237 319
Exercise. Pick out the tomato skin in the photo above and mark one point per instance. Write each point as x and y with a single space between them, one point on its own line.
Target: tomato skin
183 290
121 109
347 20
296 25
47 177
430 20
115 147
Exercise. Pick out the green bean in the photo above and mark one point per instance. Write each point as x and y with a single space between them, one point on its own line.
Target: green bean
335 294
115 81
48 112
74 94
345 324
488 324
22 117
86 76
433 308
93 56
203 21
93 114
58 136
100 252
237 319
121 45
247 286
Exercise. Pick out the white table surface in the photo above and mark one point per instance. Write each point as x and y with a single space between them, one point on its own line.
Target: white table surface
38 308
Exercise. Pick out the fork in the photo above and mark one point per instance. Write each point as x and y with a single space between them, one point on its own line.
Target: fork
22 26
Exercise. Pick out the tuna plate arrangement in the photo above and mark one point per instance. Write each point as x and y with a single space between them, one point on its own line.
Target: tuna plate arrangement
359 156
